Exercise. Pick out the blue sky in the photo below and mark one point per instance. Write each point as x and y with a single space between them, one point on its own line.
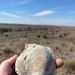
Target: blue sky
50 12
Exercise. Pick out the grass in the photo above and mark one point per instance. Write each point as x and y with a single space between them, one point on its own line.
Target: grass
21 35
8 50
22 47
70 66
0 54
56 47
71 49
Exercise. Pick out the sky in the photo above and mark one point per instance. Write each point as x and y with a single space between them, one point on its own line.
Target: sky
44 12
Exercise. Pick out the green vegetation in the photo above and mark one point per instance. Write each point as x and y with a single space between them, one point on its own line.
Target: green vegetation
8 50
22 47
70 66
45 36
0 54
6 35
61 40
56 47
71 49
38 36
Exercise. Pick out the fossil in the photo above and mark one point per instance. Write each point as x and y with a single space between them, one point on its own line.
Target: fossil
36 60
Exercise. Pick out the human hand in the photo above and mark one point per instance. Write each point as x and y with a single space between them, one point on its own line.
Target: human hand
6 66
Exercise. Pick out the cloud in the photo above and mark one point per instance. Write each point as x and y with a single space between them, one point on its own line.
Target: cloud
43 13
21 2
12 15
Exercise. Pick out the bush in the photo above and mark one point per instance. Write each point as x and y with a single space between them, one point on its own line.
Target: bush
71 50
70 66
56 47
65 34
7 50
22 47
6 35
60 36
25 35
45 36
38 36
0 54
53 33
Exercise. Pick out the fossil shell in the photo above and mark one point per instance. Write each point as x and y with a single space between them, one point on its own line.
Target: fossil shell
35 60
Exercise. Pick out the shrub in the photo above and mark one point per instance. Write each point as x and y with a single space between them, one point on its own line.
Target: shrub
56 47
29 29
53 33
38 36
65 34
25 35
71 50
60 36
6 35
7 50
45 36
70 66
0 54
19 30
22 47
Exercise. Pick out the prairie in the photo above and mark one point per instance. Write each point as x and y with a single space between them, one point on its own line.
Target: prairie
13 39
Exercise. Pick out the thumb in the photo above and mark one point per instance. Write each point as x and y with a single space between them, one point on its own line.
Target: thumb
59 63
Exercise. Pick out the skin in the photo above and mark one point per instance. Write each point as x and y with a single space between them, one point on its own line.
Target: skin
6 66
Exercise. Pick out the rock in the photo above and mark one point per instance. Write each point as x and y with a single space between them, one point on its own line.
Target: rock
35 60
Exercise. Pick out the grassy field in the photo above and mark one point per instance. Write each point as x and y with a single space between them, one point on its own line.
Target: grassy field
13 39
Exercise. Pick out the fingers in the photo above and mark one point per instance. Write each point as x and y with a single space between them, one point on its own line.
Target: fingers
12 60
5 67
59 63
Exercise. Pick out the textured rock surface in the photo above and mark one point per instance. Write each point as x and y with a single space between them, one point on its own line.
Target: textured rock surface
35 60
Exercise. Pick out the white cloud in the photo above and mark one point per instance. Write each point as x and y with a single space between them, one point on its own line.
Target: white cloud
46 12
21 2
12 15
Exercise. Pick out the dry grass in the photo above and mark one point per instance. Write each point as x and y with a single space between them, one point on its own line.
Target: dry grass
70 67
61 39
7 51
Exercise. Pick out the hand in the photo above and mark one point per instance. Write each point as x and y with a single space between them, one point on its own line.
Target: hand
6 66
